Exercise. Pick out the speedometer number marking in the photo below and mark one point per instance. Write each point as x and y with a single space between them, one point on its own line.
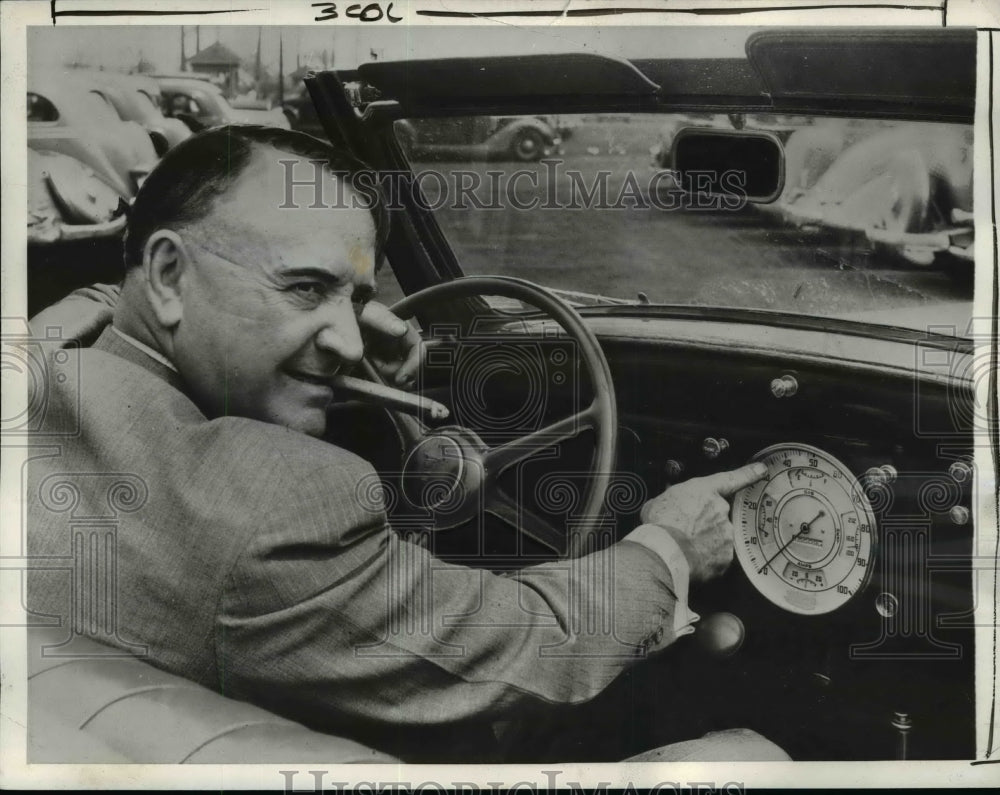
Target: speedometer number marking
807 530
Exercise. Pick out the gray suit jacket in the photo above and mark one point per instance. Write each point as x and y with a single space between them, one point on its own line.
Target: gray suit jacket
246 557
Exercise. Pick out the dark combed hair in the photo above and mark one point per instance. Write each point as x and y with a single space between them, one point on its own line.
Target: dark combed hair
182 187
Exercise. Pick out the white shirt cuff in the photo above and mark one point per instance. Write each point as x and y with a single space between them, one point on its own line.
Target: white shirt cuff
662 544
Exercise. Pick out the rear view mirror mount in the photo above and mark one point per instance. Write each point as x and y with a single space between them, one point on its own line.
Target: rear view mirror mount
747 165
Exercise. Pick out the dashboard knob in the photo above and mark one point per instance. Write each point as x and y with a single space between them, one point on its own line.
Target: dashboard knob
721 634
959 514
886 605
879 476
960 471
785 386
674 469
713 448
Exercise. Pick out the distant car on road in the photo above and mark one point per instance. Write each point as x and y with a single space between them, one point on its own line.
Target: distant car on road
200 104
521 138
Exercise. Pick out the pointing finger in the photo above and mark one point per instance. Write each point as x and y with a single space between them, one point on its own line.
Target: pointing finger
728 483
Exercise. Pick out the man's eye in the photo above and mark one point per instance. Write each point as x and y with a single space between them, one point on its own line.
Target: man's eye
311 290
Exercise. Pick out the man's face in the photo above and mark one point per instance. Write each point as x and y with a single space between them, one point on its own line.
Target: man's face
271 298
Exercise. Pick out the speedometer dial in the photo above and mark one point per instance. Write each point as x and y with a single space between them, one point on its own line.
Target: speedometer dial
806 534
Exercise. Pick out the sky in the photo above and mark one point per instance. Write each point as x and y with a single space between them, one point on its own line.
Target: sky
120 48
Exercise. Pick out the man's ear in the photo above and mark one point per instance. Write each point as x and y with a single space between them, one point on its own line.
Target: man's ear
165 261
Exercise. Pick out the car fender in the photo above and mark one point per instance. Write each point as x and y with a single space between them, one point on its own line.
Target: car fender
68 141
175 131
67 200
809 152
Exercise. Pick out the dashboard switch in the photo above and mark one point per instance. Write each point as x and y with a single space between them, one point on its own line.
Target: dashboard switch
960 471
785 386
713 448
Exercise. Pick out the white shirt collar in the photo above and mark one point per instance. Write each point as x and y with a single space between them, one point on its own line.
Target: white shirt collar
145 349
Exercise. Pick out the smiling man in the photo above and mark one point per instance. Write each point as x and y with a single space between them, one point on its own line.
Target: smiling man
257 305
246 559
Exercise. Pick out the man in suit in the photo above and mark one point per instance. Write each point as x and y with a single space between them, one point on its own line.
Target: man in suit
244 556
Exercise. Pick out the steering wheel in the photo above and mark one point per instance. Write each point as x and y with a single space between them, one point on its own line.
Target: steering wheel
452 473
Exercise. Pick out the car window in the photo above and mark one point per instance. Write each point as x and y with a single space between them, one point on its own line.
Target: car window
41 109
873 224
182 103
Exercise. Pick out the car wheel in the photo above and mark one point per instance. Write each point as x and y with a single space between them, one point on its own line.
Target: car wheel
528 146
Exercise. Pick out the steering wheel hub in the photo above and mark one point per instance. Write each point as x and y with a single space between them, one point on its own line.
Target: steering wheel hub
443 473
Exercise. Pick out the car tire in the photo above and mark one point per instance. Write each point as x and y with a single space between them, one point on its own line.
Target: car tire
528 146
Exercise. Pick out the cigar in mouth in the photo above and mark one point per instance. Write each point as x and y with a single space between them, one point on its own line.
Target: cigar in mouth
381 395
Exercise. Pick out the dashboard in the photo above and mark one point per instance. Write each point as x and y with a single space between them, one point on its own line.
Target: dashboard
844 628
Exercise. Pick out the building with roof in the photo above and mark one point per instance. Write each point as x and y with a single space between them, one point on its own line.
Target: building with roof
220 64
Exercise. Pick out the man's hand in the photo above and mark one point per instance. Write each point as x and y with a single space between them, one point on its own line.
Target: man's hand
392 345
81 315
696 514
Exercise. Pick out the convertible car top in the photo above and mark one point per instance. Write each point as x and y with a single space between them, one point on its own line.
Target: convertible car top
914 74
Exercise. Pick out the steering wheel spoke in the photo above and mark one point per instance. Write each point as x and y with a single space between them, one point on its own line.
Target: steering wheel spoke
458 456
504 456
525 521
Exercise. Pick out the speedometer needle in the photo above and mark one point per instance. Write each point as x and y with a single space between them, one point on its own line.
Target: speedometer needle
803 530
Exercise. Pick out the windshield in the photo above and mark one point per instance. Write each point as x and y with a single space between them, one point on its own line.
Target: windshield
873 224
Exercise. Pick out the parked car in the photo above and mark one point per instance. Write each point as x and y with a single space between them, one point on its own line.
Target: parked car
259 111
633 339
66 113
524 139
75 227
200 104
137 98
907 188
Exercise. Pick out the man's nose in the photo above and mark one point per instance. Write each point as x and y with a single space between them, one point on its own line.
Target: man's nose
341 335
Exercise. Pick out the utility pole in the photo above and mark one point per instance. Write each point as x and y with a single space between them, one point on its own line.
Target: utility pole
256 73
197 38
281 70
183 55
